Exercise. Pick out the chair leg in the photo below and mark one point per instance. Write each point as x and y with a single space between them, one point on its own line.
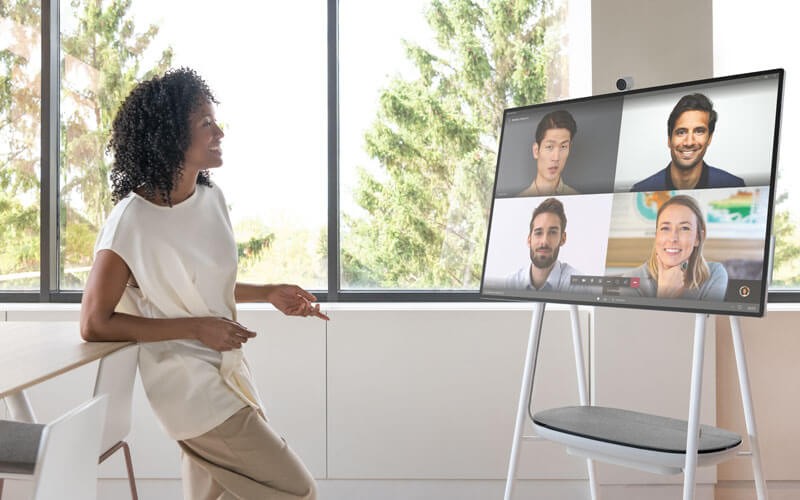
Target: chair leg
1 488
129 465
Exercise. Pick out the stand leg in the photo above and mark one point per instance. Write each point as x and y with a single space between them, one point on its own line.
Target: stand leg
747 404
693 431
525 394
583 394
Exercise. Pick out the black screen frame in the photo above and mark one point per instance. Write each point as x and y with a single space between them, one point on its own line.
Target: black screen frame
667 305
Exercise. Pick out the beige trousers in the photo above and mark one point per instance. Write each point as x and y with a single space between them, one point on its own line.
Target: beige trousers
244 459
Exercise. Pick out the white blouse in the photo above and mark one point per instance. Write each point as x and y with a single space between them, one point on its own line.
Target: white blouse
183 259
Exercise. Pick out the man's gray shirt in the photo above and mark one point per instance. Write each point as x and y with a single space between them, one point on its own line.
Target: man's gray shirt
558 279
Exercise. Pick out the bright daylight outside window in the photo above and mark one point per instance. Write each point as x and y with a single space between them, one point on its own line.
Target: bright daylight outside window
422 92
20 67
270 79
771 43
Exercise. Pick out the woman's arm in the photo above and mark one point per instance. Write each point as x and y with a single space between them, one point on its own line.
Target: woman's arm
99 322
289 299
246 292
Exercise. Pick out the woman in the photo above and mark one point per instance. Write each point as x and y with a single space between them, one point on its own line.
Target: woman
164 275
676 268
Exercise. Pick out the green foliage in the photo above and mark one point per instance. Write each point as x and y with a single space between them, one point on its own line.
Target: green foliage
19 235
250 251
786 267
106 47
102 62
77 243
254 239
288 257
19 143
19 99
435 138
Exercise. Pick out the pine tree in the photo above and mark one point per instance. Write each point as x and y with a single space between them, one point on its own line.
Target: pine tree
101 62
20 98
106 47
435 137
787 246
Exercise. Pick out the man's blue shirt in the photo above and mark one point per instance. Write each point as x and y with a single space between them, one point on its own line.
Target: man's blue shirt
710 177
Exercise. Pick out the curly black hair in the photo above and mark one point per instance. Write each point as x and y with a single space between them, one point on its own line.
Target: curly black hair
151 133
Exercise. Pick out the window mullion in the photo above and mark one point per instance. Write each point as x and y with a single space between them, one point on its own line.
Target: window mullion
333 150
48 283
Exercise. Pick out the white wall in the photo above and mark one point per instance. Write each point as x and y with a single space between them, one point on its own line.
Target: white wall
654 41
411 401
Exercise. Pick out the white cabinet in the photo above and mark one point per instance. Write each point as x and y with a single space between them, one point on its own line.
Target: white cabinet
287 358
642 361
422 392
432 394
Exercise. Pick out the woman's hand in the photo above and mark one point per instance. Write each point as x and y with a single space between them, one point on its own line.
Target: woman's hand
294 301
671 280
221 334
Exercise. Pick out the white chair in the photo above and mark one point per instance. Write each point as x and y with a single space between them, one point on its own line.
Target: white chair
115 376
61 457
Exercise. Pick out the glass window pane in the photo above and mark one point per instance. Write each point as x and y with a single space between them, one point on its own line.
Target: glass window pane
422 91
98 66
270 79
771 43
20 173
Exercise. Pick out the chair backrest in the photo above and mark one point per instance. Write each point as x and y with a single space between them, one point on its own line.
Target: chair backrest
115 377
67 461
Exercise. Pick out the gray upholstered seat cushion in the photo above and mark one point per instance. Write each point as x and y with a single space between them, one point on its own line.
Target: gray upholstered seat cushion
19 445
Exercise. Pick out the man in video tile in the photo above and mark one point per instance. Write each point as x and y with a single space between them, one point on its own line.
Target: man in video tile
690 128
551 145
547 234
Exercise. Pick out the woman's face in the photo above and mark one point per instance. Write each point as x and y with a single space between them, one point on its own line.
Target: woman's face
676 235
204 149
